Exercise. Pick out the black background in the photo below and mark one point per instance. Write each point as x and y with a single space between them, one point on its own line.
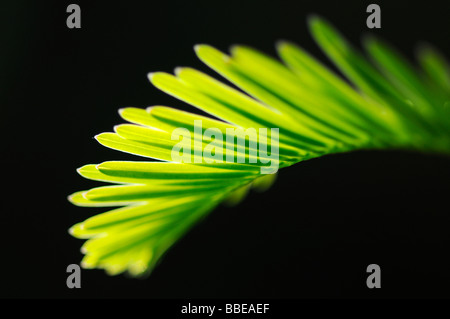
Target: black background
311 236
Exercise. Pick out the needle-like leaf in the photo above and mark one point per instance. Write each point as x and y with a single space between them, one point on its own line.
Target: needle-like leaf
303 109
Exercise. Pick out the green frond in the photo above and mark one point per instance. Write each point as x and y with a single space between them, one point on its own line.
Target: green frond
383 103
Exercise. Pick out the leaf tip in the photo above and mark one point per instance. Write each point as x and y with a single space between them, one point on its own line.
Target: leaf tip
121 111
178 70
283 44
76 230
199 47
101 137
150 76
313 19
